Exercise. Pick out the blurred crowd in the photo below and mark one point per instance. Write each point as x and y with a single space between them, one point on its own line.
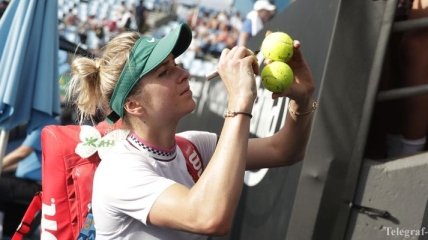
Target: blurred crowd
92 24
213 31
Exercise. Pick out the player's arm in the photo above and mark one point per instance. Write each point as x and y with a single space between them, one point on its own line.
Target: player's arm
285 147
288 145
209 206
11 159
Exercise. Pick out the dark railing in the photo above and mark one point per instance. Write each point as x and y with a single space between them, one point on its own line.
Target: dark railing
398 93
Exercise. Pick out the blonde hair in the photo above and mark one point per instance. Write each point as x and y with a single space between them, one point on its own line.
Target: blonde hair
93 80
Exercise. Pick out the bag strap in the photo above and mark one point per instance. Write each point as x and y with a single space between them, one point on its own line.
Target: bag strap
32 210
193 158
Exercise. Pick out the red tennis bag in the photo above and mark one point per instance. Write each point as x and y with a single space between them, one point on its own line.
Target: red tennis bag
67 181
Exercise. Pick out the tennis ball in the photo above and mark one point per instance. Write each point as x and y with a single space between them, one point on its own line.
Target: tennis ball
277 76
277 46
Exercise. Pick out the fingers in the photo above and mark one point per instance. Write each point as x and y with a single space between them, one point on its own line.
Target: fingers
303 81
223 57
236 68
241 52
224 54
254 64
248 56
267 61
237 53
297 60
296 44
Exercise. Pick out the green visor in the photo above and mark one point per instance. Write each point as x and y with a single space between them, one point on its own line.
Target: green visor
146 54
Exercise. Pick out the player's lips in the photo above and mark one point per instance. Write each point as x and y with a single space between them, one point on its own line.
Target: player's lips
186 91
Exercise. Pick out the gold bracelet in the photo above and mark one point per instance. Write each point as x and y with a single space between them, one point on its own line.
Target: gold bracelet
229 113
298 114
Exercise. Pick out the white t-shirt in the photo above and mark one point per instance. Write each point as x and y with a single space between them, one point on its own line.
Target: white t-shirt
131 177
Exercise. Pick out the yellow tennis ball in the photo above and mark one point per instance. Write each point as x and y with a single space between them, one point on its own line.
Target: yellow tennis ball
277 76
277 46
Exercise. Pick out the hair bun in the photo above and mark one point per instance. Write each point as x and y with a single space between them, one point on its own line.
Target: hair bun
97 64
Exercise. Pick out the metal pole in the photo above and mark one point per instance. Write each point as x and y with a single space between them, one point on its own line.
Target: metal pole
408 25
402 93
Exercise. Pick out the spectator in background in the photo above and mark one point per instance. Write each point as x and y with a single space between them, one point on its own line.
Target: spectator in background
262 12
119 9
141 16
21 178
126 21
232 37
110 25
3 6
219 41
71 18
236 21
406 124
413 64
222 17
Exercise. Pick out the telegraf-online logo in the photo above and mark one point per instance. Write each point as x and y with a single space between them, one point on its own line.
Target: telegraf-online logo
406 233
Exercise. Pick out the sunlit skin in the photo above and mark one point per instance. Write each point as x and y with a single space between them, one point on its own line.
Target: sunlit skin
162 98
166 92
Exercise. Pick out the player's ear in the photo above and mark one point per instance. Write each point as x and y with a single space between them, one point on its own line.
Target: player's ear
133 107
